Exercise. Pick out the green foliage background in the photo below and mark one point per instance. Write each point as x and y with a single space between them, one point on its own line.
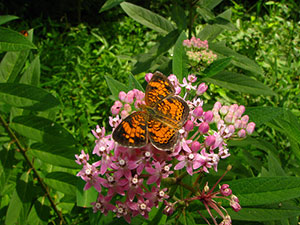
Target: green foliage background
61 69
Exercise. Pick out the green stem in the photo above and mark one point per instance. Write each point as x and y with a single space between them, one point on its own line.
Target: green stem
23 151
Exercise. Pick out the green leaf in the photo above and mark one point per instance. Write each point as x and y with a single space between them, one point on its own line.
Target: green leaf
11 65
27 97
217 66
147 18
145 61
263 114
115 86
206 13
263 214
179 63
32 74
238 82
13 41
55 155
110 4
39 213
210 32
20 202
134 84
6 18
238 59
210 4
63 182
223 20
265 190
274 165
6 168
179 17
42 130
85 198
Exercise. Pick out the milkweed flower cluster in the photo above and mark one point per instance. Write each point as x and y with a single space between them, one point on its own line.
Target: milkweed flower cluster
129 180
198 52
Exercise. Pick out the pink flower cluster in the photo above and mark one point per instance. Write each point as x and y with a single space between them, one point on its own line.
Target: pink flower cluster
198 53
129 180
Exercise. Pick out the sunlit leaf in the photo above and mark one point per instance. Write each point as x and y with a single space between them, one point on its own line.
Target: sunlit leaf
85 198
63 182
179 64
110 4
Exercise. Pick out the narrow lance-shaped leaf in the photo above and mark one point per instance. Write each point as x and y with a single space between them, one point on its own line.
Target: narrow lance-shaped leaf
85 198
238 82
13 41
6 18
110 4
27 97
32 74
217 66
42 130
62 181
134 84
147 18
115 86
179 64
263 114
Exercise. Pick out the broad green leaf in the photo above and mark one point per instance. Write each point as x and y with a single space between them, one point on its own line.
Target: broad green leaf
265 190
39 213
13 41
223 20
115 86
238 59
179 17
6 168
147 18
217 66
6 18
11 65
133 83
206 13
32 74
179 63
210 32
20 203
110 4
62 181
85 198
145 61
238 82
210 4
157 215
263 114
27 97
55 155
263 214
252 161
274 166
42 130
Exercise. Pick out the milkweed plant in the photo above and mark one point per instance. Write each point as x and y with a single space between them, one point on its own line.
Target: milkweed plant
132 181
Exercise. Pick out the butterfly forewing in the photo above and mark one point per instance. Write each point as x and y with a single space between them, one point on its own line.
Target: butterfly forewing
158 88
132 131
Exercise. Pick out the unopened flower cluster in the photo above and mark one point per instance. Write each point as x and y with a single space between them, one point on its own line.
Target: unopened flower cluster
198 53
129 179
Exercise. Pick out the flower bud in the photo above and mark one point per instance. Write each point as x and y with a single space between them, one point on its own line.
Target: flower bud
210 140
148 77
203 128
217 106
201 89
224 110
235 206
198 111
195 146
250 127
245 118
124 114
228 118
242 133
122 96
169 209
225 190
208 116
192 78
189 125
238 124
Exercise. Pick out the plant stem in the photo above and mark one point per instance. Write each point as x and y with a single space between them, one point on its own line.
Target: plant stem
23 151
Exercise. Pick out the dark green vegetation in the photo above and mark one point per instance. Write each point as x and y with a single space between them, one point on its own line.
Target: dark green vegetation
71 61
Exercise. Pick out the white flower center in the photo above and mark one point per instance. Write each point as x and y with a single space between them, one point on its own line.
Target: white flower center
102 149
98 130
88 171
98 205
147 154
110 179
134 180
143 206
120 210
191 156
122 162
161 194
81 156
166 168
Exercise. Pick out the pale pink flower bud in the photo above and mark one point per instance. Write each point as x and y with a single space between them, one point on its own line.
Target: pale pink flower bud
208 116
224 110
138 103
225 190
210 140
242 133
139 95
230 129
169 209
124 114
250 127
240 110
228 117
245 118
129 97
201 89
198 111
235 206
122 96
203 128
177 90
235 198
115 110
195 146
189 125
217 106
238 124
233 108
127 107
148 77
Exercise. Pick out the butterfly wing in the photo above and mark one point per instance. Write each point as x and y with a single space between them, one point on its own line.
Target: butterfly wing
132 131
158 88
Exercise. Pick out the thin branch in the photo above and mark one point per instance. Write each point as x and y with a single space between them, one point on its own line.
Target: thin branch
23 151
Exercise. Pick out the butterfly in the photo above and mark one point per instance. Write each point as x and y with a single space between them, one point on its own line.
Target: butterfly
159 120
